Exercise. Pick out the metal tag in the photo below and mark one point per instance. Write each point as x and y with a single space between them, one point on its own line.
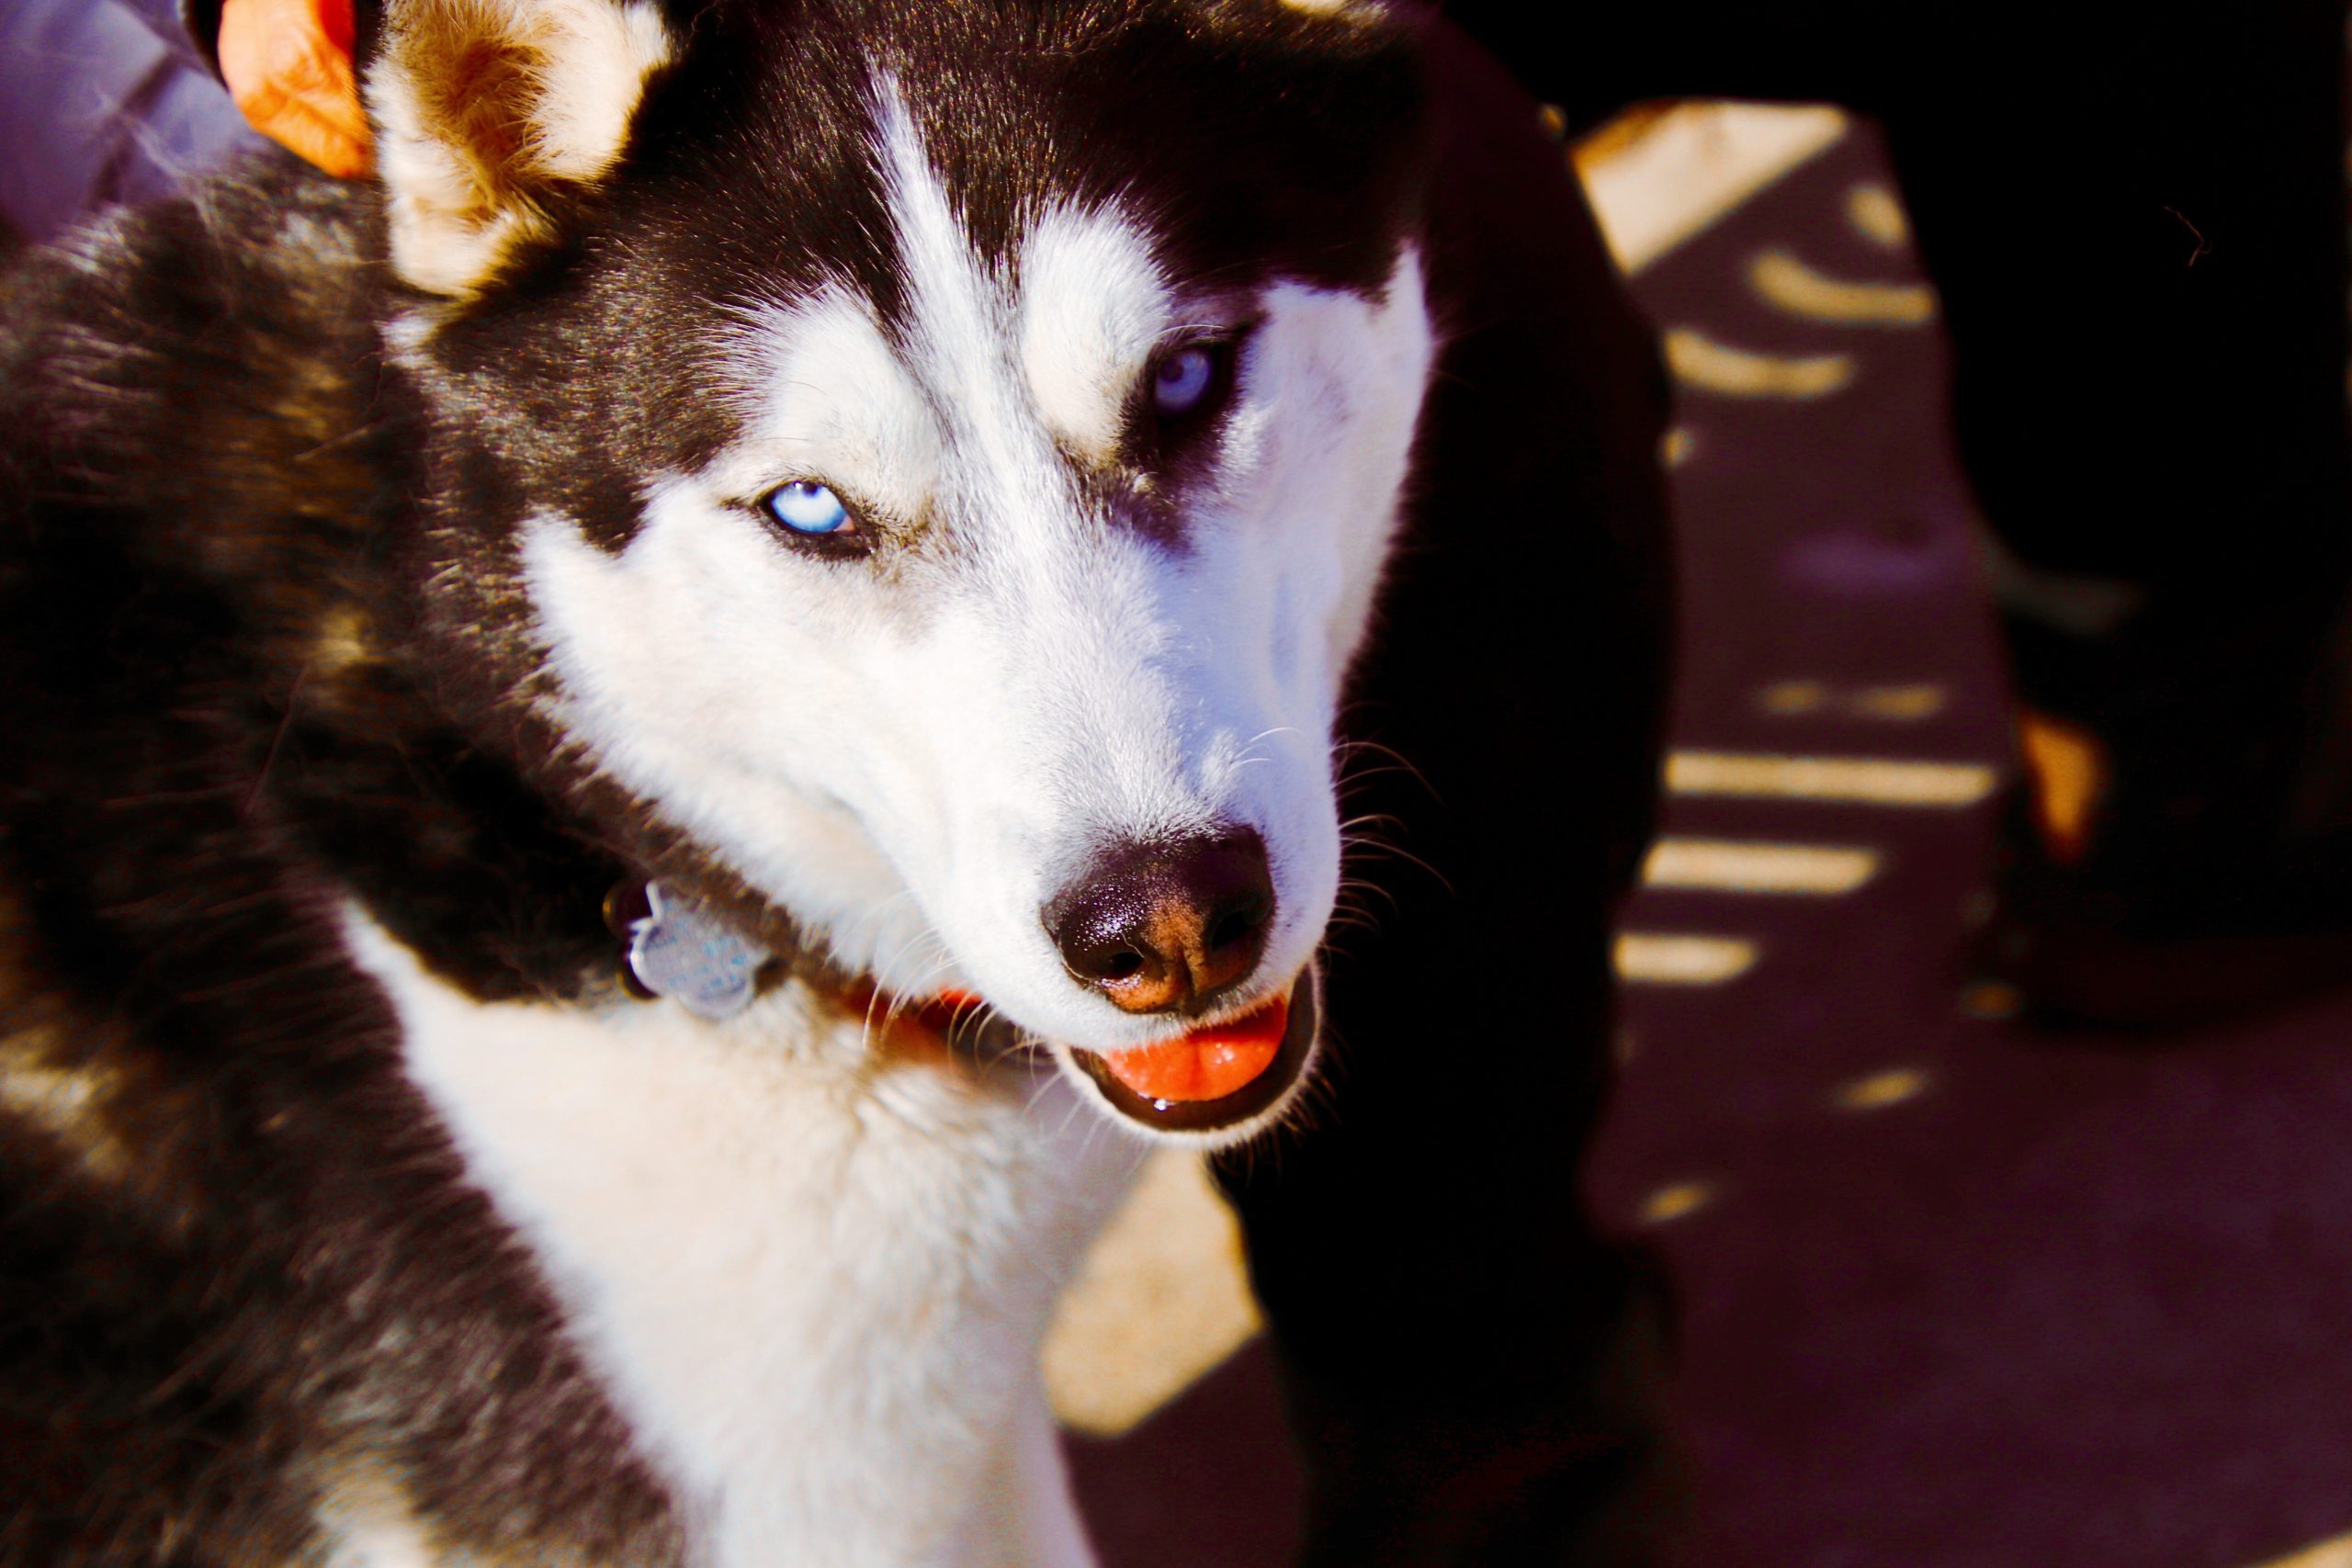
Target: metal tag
681 951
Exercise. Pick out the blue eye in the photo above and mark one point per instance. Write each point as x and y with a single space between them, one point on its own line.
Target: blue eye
1181 381
807 507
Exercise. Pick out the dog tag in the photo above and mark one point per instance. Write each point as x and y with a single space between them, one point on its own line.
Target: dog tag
681 951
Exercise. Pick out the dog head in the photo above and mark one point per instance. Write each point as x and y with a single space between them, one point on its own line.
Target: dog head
936 459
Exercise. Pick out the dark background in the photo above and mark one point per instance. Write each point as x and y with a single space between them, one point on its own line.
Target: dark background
1956 1293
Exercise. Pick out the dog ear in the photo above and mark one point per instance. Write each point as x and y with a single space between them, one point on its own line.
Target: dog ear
488 112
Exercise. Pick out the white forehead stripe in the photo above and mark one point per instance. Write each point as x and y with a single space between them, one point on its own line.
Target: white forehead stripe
958 317
962 344
1094 306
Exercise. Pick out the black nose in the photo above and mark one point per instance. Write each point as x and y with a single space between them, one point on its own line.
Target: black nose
1168 926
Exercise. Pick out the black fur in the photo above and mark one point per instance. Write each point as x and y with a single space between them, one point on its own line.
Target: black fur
246 1255
260 652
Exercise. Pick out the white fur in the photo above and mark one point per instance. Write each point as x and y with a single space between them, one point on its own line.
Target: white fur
367 1520
812 1271
1092 308
449 228
830 399
917 760
814 1274
378 1542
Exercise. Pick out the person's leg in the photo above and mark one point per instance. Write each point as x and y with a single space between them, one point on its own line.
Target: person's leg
2135 215
1591 60
1467 1361
2136 220
2158 439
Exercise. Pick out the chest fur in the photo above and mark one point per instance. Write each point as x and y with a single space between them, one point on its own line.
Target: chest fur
812 1260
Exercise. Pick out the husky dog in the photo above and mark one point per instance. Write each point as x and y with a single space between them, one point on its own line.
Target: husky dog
633 745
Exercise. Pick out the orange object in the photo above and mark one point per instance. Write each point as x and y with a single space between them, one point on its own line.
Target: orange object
2067 769
1207 1063
288 63
945 1011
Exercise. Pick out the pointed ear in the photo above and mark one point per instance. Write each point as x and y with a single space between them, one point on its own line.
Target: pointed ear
288 64
488 111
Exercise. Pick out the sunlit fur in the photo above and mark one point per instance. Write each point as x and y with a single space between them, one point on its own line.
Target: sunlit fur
915 760
912 751
813 1261
388 584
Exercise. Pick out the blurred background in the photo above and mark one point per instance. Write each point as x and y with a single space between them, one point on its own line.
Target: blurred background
1954 1291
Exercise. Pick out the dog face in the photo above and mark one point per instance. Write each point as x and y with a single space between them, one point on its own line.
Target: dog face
939 459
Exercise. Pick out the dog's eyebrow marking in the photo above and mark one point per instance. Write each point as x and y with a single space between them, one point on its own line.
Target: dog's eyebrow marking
1093 305
830 402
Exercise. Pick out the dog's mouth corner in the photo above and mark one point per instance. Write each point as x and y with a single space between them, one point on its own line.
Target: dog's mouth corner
1209 1086
1220 1078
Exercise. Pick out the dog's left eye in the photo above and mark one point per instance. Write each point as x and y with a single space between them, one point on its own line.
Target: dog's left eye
1181 382
1189 382
1180 397
807 507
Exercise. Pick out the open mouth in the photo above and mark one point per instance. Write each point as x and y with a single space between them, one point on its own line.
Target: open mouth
1218 1077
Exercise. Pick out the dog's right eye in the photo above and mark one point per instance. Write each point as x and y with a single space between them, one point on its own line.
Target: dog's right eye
811 514
807 507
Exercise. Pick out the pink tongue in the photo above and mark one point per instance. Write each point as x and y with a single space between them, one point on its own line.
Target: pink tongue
1207 1063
